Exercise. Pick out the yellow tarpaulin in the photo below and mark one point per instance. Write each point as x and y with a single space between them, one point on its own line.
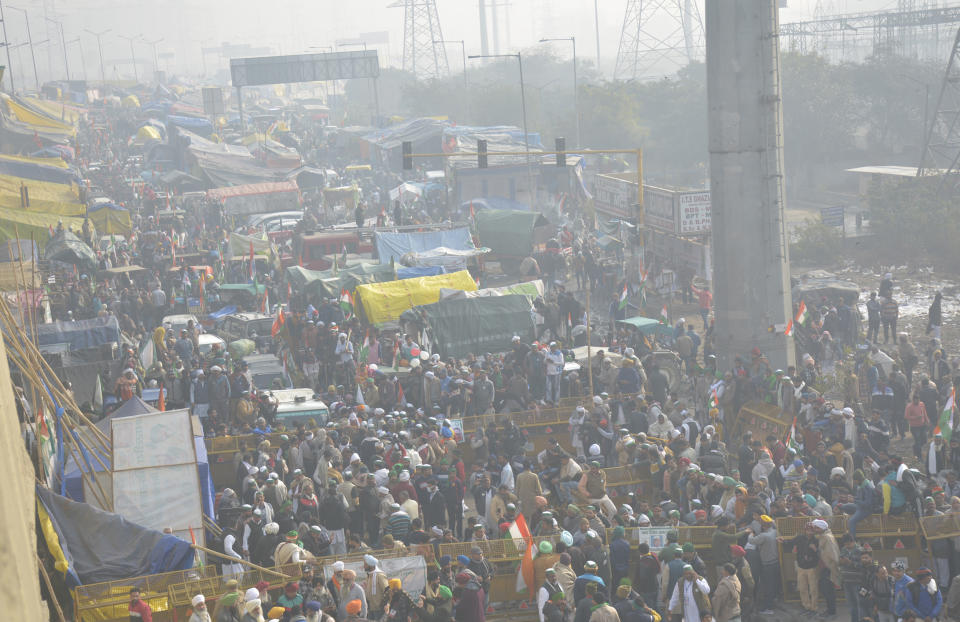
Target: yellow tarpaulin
109 221
46 197
240 245
384 302
56 110
25 115
52 161
33 224
147 133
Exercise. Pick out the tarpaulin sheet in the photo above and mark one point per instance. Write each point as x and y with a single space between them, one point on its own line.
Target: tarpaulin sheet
412 130
229 192
478 325
394 245
46 197
508 232
54 109
109 218
451 259
70 249
99 546
46 157
33 225
413 273
194 124
384 302
530 289
25 114
42 169
80 334
240 245
411 570
327 283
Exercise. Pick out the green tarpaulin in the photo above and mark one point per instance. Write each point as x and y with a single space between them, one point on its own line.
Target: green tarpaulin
646 325
328 284
508 232
478 325
70 249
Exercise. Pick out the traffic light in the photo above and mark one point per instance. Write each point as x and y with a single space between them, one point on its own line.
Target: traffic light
561 149
481 153
407 147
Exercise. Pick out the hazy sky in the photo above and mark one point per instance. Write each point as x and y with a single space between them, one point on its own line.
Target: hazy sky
292 26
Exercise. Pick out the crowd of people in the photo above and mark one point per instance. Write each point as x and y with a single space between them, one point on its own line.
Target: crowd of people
393 470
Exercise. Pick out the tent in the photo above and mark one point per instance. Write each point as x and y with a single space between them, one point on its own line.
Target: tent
147 134
508 232
92 546
70 249
110 218
384 302
72 485
80 334
329 284
259 198
33 225
530 289
393 246
477 325
449 258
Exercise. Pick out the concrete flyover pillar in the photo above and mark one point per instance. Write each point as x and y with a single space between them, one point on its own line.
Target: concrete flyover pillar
750 255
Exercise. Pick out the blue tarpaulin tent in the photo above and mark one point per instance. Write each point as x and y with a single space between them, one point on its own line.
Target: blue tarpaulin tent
393 246
93 546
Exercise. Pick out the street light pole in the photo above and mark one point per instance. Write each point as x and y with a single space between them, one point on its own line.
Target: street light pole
156 59
33 56
133 55
83 61
463 53
6 44
63 44
370 82
523 112
103 75
576 90
596 30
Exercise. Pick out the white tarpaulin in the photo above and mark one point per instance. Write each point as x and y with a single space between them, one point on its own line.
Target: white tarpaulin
405 188
451 258
160 497
152 439
155 479
412 571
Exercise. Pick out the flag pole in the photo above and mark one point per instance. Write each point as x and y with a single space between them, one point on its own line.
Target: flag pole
589 350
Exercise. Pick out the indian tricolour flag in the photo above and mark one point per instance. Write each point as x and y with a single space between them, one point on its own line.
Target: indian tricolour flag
792 436
945 426
623 298
519 531
802 315
664 316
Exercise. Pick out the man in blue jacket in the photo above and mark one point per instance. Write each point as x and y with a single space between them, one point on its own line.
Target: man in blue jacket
923 597
900 581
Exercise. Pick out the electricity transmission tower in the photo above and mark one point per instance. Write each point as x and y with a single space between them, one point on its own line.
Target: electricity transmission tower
658 37
422 55
941 146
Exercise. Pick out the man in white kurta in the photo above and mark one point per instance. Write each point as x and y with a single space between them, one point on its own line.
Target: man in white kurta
684 589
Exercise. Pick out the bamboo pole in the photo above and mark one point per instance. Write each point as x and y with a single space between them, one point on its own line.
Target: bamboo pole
53 595
31 356
235 560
